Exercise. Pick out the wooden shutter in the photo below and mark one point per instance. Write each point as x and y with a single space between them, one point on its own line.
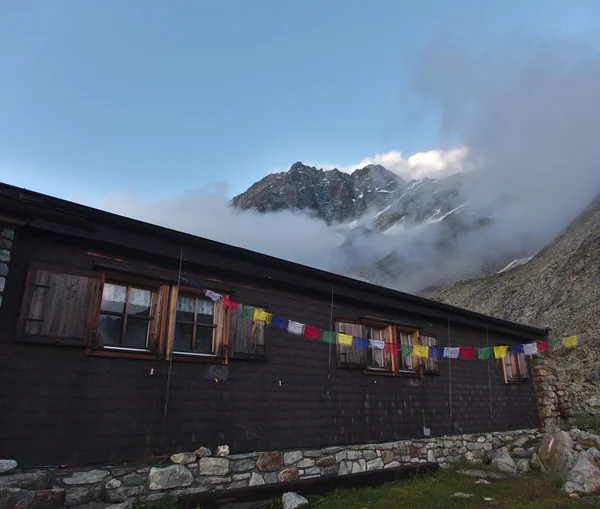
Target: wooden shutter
247 339
347 355
59 306
159 319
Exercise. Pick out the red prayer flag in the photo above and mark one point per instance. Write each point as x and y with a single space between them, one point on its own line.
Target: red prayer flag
467 353
391 348
543 346
312 332
229 303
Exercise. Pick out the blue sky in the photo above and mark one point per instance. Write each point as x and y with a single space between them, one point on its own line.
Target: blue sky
156 98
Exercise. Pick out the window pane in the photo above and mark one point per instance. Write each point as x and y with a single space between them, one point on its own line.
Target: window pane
109 329
204 340
139 302
206 311
136 333
183 337
185 309
403 338
113 298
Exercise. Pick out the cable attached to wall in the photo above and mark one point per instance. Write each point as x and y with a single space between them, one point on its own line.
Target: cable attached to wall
330 347
168 389
487 344
449 381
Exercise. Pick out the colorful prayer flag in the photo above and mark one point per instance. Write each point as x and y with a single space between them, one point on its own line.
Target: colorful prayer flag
360 343
484 353
467 353
376 344
436 352
212 295
327 336
530 349
406 350
420 351
391 348
515 350
543 346
295 327
344 339
229 303
500 352
570 342
311 332
279 322
261 315
554 343
247 311
451 352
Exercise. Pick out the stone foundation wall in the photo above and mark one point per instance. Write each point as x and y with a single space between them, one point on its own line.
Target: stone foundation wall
199 471
552 398
6 240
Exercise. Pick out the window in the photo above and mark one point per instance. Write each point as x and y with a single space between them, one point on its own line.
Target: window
516 368
410 362
58 305
194 326
347 355
247 338
378 358
126 315
429 365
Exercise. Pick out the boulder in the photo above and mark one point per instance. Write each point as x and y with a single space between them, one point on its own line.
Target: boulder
584 476
174 476
222 451
87 477
203 452
7 465
293 501
256 480
269 461
504 463
556 454
289 458
184 458
213 466
523 466
15 498
375 465
30 481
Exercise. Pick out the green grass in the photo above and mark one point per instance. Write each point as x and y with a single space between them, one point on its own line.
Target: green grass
586 422
434 491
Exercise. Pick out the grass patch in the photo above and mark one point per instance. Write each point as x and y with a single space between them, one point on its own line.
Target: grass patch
435 490
586 422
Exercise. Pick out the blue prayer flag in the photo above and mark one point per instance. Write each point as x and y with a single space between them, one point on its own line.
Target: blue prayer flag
360 343
279 322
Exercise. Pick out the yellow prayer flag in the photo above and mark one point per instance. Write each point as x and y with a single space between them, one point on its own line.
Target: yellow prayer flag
344 339
500 352
420 351
570 342
261 316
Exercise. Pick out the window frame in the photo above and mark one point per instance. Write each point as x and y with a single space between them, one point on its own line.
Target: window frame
434 362
197 296
387 356
339 349
516 363
244 356
413 336
157 328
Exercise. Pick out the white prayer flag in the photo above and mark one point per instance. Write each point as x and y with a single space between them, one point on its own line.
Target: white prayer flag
451 352
295 327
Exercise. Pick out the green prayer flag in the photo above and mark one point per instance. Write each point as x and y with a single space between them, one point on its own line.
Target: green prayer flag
247 311
555 342
406 350
485 352
327 336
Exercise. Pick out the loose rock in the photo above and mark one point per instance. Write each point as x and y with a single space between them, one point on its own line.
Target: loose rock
292 500
222 451
184 458
203 452
7 465
504 463
584 477
174 476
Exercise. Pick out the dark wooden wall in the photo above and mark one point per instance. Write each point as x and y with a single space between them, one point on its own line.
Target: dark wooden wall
59 406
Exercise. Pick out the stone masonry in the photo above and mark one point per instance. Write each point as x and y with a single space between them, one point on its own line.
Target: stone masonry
552 399
194 472
6 240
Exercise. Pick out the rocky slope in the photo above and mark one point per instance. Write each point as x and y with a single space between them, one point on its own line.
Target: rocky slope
558 288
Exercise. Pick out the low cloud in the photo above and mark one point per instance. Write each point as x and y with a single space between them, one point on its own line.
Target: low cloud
431 164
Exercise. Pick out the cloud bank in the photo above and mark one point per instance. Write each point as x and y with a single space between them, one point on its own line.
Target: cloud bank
525 113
